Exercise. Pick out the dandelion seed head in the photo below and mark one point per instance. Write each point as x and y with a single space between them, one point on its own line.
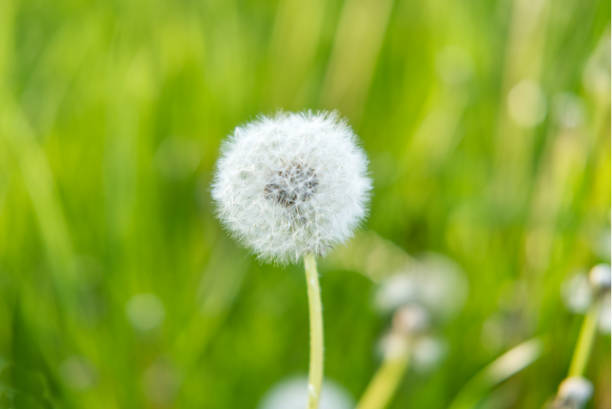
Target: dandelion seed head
575 391
293 393
569 110
410 319
292 184
427 353
600 278
576 293
435 282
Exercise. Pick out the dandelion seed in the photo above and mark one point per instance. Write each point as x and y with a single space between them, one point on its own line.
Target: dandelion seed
292 184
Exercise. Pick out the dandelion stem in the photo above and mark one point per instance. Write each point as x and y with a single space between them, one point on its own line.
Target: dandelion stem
385 381
315 376
585 342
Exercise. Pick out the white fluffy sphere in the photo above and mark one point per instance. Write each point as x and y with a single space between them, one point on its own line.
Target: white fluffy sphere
292 393
575 390
292 184
600 278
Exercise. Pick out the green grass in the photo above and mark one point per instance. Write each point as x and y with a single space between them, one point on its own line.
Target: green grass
111 116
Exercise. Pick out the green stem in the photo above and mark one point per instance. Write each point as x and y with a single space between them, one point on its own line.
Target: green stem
315 375
586 339
384 383
502 368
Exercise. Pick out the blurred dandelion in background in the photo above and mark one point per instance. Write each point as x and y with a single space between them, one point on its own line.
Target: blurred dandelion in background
573 393
433 281
427 353
425 292
582 289
569 110
292 393
576 292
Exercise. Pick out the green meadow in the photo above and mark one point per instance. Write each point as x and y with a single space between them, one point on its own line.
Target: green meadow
487 127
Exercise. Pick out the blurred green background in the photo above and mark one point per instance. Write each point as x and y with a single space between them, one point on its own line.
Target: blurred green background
487 124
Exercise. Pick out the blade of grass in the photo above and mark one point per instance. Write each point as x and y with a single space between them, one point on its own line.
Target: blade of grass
505 366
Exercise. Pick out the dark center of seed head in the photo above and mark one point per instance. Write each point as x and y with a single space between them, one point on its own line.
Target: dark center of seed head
294 183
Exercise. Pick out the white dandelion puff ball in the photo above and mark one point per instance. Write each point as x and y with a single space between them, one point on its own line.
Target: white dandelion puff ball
292 184
292 393
575 390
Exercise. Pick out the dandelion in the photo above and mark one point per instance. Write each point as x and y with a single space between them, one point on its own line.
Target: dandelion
424 351
428 351
421 292
289 187
569 110
600 278
291 394
574 393
292 185
410 319
576 293
582 293
434 281
409 323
